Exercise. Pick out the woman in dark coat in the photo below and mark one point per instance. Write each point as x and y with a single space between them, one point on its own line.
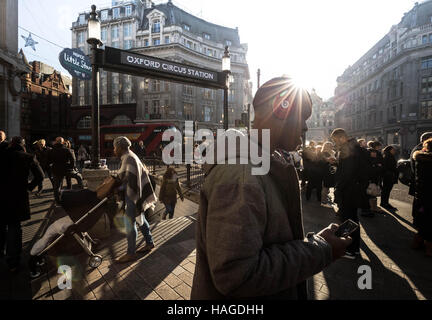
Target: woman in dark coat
423 187
390 176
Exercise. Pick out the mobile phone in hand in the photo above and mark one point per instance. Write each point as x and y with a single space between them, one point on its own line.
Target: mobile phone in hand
346 229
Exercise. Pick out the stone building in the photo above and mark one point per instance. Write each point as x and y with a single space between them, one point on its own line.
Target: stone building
12 68
322 121
46 101
168 32
387 94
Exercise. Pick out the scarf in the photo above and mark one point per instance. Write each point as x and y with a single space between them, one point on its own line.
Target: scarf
138 185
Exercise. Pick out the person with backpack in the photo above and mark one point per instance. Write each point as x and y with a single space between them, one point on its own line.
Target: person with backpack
168 192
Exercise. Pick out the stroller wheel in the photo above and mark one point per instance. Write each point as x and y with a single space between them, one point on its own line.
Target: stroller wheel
95 261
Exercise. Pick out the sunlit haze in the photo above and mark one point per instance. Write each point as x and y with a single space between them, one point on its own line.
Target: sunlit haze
313 41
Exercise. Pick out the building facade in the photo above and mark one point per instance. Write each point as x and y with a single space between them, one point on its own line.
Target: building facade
322 121
46 101
12 68
387 94
165 31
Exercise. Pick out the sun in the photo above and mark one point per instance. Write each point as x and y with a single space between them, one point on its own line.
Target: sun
302 81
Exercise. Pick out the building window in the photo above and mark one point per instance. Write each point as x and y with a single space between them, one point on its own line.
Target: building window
116 13
156 42
128 44
81 37
121 120
115 44
156 28
128 11
127 30
424 39
207 36
114 32
186 27
82 19
426 86
209 94
187 90
207 114
156 85
189 44
167 40
115 88
104 33
85 122
426 110
188 111
156 107
104 15
146 43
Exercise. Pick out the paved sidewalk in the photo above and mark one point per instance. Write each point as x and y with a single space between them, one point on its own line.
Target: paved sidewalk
397 271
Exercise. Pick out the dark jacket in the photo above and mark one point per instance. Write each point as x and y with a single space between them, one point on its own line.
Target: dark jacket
3 146
418 147
390 172
140 152
376 169
42 156
62 160
423 187
17 166
351 174
423 177
169 190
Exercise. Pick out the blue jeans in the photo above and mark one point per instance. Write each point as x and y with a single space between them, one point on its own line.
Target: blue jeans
131 226
11 243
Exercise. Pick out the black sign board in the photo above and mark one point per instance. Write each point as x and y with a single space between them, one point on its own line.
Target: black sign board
77 63
123 61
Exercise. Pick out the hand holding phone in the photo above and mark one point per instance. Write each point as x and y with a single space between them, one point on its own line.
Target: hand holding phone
346 229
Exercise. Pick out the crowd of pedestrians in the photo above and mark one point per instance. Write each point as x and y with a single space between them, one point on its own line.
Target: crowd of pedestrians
361 172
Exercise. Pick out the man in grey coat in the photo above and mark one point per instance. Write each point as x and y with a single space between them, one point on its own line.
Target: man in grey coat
250 237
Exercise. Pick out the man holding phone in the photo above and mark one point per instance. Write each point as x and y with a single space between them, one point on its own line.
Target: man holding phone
250 236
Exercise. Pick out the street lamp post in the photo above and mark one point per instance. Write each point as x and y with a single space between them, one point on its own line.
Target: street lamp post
226 68
94 31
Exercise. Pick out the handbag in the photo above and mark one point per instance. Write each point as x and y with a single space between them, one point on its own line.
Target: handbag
373 190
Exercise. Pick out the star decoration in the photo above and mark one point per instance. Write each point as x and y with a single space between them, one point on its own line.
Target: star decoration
30 42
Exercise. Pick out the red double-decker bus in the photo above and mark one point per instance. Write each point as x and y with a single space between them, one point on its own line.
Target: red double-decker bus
151 134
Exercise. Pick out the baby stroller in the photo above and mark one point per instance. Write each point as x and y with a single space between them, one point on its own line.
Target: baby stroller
84 209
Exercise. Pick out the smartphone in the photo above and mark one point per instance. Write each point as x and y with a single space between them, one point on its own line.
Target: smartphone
346 229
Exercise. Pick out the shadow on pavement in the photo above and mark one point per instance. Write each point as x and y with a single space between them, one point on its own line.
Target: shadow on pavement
391 237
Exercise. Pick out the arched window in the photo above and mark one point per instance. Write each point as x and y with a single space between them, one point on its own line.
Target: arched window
121 120
85 122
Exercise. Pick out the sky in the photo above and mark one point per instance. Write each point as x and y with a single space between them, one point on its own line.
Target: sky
313 41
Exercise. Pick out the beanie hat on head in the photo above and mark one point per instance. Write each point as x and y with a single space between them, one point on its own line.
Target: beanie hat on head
122 142
282 94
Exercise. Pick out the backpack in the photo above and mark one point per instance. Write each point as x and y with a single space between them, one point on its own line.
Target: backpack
405 172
